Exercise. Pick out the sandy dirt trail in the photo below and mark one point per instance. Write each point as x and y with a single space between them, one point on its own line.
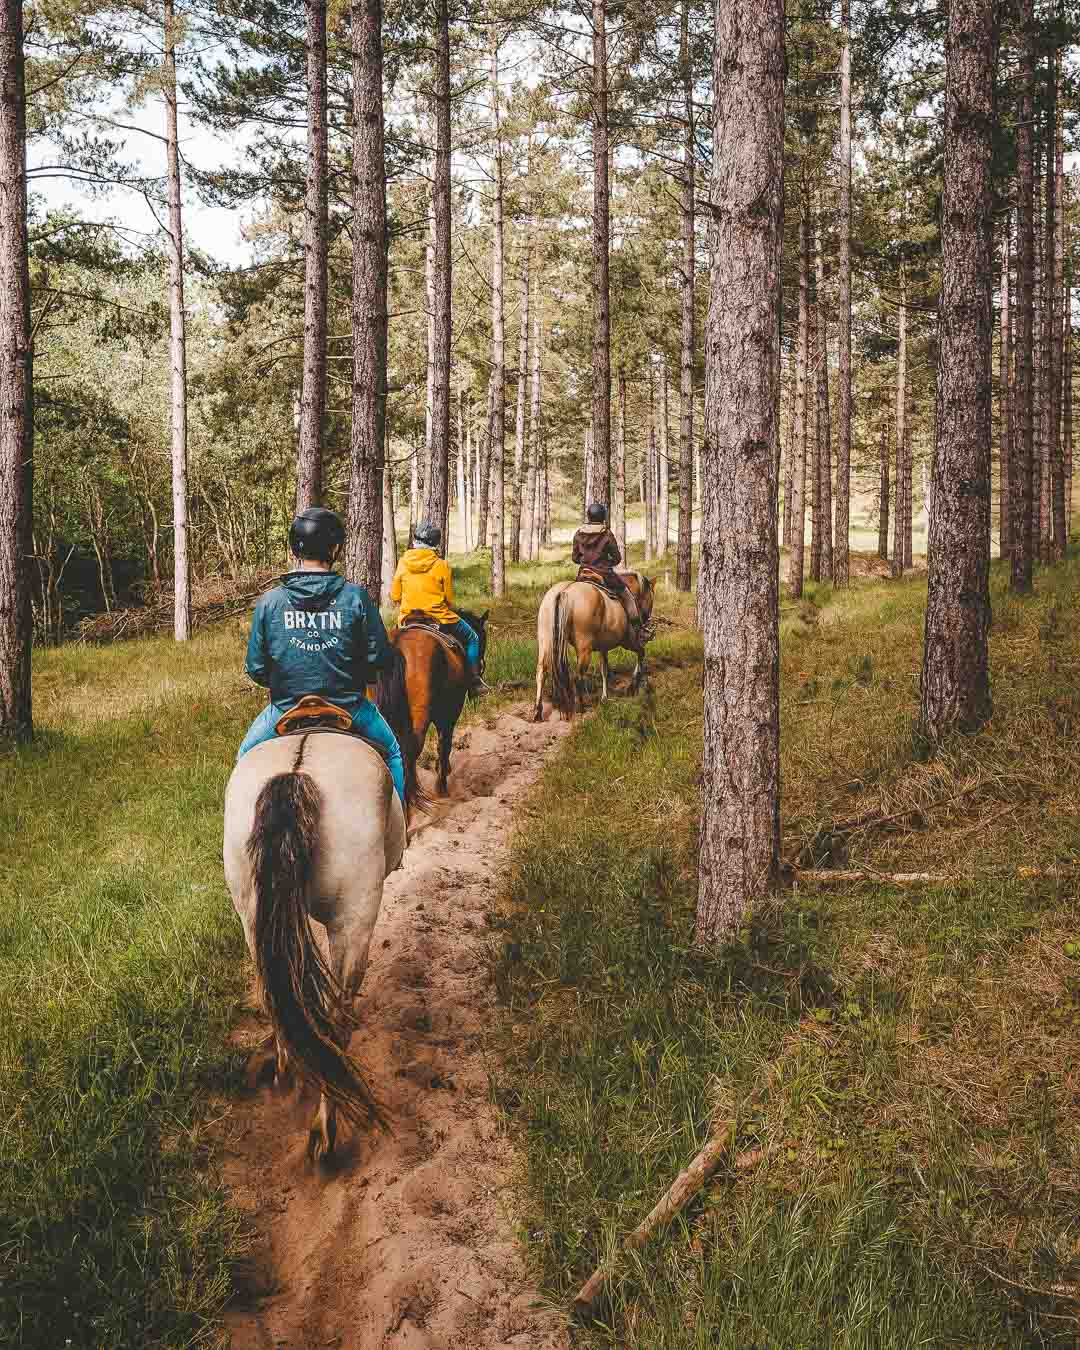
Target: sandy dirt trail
407 1242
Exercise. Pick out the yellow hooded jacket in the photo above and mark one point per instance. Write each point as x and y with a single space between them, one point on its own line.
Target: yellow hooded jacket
424 581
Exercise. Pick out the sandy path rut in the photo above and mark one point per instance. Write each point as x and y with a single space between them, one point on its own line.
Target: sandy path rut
407 1242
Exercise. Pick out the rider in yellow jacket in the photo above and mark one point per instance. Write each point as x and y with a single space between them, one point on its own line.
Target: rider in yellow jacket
423 581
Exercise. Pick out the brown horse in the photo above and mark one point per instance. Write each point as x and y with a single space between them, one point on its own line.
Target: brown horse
437 679
578 614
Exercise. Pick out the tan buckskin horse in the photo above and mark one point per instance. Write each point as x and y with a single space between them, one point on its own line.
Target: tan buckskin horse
437 681
578 614
313 827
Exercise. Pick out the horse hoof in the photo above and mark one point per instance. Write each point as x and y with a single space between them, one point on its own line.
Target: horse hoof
321 1142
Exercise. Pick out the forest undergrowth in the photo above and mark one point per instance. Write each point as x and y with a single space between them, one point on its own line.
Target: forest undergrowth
901 1062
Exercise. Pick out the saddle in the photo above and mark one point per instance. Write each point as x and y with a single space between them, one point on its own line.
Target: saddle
315 713
416 618
592 577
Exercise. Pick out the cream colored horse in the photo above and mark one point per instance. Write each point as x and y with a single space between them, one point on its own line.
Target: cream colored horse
313 826
578 614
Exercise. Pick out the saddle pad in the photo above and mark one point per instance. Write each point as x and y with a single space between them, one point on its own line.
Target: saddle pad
431 626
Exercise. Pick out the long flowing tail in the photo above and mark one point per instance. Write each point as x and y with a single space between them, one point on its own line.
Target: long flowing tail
301 993
392 700
562 683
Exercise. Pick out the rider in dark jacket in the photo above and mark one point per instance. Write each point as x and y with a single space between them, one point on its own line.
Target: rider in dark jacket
597 550
317 633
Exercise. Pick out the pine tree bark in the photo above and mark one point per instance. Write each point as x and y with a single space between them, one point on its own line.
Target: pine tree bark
1067 399
389 537
519 412
498 344
598 468
364 527
309 457
16 392
813 414
618 504
177 343
531 547
1058 531
909 474
1038 366
789 478
901 432
824 421
1020 469
462 470
1004 401
483 473
883 496
684 544
650 474
1050 374
842 545
740 779
439 466
663 469
802 380
955 686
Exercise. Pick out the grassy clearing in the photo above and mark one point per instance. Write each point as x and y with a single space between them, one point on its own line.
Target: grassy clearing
901 1063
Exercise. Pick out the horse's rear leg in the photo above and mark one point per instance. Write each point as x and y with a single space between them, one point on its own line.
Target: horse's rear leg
349 944
538 711
446 744
605 675
584 662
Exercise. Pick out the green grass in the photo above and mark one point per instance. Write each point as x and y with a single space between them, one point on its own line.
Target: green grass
121 970
903 1060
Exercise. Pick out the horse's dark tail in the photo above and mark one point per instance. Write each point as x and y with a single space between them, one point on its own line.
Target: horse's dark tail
392 700
562 682
300 991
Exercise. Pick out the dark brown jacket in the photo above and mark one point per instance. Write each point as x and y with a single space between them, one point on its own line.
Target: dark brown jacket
595 546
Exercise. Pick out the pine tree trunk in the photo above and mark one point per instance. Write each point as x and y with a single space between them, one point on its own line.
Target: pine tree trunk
177 344
909 475
16 392
618 504
684 545
663 468
1050 378
519 413
1038 367
883 495
955 687
309 458
824 416
901 433
483 473
740 776
842 545
598 468
531 549
1058 531
1020 468
650 475
802 381
813 414
363 538
1067 399
462 471
1004 401
789 477
439 467
389 539
498 344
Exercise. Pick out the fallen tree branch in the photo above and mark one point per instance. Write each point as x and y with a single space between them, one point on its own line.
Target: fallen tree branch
827 874
683 1189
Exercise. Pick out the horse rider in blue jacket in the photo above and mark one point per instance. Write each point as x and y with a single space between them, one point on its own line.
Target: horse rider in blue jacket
317 633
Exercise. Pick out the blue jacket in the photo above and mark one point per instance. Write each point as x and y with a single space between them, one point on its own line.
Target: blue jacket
316 633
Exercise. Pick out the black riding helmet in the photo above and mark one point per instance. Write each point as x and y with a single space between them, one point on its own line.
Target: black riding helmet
427 535
316 534
597 513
